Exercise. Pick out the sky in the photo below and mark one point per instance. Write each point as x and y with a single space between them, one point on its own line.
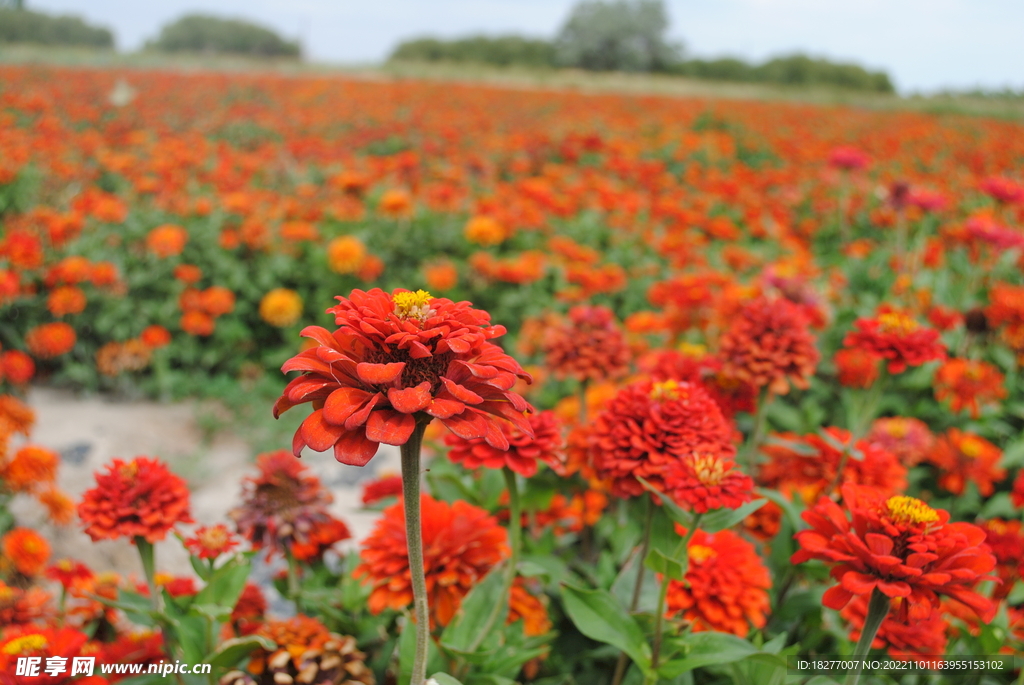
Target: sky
924 45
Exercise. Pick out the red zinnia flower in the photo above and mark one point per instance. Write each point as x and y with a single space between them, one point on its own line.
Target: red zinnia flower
68 571
966 383
907 641
382 488
26 549
1017 492
210 542
523 452
396 359
963 456
589 346
32 467
155 336
895 336
50 340
461 543
140 498
726 585
900 546
247 616
20 607
1006 539
702 482
848 158
17 367
322 538
857 368
908 438
648 426
31 641
769 345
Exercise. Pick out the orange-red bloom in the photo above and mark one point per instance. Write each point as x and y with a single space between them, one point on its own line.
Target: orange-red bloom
589 346
726 585
209 542
17 367
397 359
382 488
769 345
857 368
967 384
31 641
20 607
167 240
896 337
1006 539
155 336
321 538
304 652
908 438
32 467
648 426
461 543
139 498
908 641
963 456
346 254
67 299
900 546
26 549
702 482
523 452
50 339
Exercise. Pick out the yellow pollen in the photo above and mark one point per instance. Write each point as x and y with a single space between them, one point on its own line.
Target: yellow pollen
129 470
25 644
669 390
413 305
214 538
691 350
895 322
903 509
709 469
699 553
972 447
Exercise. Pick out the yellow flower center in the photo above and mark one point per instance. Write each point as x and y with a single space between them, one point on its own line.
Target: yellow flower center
413 305
668 390
214 538
699 553
25 644
692 350
972 447
895 322
897 429
905 509
709 469
129 470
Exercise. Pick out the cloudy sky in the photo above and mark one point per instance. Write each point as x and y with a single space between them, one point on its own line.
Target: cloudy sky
923 44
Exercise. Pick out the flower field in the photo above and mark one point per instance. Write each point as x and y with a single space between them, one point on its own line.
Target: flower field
686 391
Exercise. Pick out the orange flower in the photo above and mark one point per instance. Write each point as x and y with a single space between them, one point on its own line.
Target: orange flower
49 340
529 608
65 300
371 269
321 538
45 643
188 273
20 607
32 466
304 652
966 383
485 231
909 439
103 274
1006 304
26 549
895 336
857 368
155 336
247 616
345 254
167 240
726 585
281 307
17 367
15 416
703 482
217 301
395 203
900 546
140 498
68 571
297 231
461 544
589 346
59 507
1006 540
648 426
523 452
398 358
963 456
441 276
115 358
195 322
210 542
769 345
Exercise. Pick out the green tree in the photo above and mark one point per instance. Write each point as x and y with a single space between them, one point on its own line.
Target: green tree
622 35
204 33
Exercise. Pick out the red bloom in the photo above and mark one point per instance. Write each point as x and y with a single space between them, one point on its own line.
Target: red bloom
523 452
726 586
769 345
895 336
49 340
899 545
1017 492
26 549
140 498
963 457
848 158
730 394
28 641
857 368
648 426
1007 542
966 383
67 572
382 488
461 543
249 611
909 439
210 542
1002 189
702 482
320 539
911 641
589 346
17 367
397 359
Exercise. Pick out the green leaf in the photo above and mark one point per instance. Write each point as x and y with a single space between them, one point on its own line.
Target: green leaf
661 563
407 650
704 649
474 611
727 518
232 651
218 598
201 569
600 617
668 506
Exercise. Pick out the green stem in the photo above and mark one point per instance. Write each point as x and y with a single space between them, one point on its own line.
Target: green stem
148 556
293 579
414 542
583 402
753 443
878 609
682 551
638 586
515 514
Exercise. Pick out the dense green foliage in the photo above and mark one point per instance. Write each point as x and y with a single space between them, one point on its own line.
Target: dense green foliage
625 35
499 51
25 26
204 33
790 70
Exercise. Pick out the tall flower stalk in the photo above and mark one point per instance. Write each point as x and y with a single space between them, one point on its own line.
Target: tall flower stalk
414 540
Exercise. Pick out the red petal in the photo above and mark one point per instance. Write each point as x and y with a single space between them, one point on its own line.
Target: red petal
409 400
344 402
354 449
879 544
321 335
859 583
379 373
461 392
836 597
443 408
390 427
359 418
317 433
496 438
